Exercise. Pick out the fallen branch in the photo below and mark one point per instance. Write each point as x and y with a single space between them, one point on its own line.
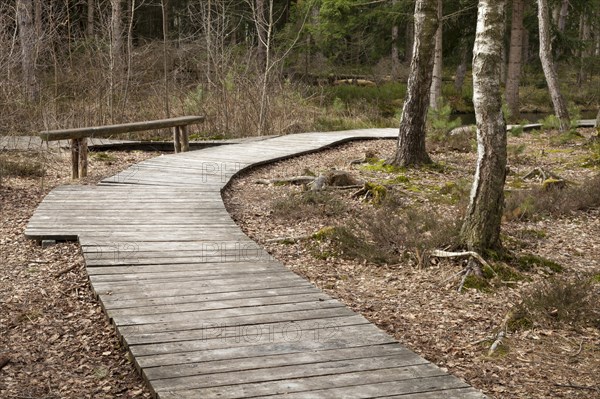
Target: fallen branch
574 386
287 239
295 180
543 174
65 270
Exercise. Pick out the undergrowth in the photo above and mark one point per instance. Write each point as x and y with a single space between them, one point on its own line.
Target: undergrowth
559 301
536 202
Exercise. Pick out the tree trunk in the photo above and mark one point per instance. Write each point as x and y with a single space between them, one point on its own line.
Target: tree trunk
91 10
436 81
27 40
562 16
584 34
514 60
165 28
261 30
461 69
481 228
411 138
410 42
116 52
560 107
394 55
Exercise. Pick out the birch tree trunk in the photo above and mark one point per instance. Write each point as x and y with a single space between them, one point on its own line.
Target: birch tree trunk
584 35
560 106
436 82
515 60
411 138
563 15
481 228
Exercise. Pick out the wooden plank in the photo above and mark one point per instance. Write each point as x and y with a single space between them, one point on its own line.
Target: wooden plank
269 361
209 297
324 324
409 379
108 130
136 332
128 317
331 368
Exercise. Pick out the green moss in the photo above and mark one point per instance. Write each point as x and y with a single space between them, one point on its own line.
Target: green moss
528 262
103 157
324 233
519 321
478 283
596 278
507 273
375 192
552 184
382 166
400 179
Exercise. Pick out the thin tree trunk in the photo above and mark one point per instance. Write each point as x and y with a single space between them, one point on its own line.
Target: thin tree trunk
514 60
563 15
91 10
560 107
584 27
39 29
481 228
411 138
394 55
261 49
27 40
436 82
116 52
165 29
461 69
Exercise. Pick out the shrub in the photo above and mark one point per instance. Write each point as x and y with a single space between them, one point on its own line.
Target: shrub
385 235
529 204
15 166
307 204
559 301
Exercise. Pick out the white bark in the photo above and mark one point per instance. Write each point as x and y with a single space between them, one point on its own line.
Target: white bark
560 107
481 229
436 80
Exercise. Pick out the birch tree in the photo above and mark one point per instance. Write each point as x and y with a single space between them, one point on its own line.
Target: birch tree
560 106
436 81
481 227
411 138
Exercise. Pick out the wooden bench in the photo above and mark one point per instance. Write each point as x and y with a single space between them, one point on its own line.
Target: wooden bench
78 137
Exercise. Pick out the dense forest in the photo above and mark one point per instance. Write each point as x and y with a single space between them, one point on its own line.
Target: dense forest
270 66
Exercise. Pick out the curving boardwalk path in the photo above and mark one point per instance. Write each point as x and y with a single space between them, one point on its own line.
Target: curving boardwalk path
203 309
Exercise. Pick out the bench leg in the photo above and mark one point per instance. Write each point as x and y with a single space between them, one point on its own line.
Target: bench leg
177 139
75 159
83 157
185 140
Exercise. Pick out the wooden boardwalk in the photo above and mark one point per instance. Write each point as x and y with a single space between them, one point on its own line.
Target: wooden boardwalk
203 309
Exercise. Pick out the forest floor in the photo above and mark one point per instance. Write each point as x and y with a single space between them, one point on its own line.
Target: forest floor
53 333
543 298
59 344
